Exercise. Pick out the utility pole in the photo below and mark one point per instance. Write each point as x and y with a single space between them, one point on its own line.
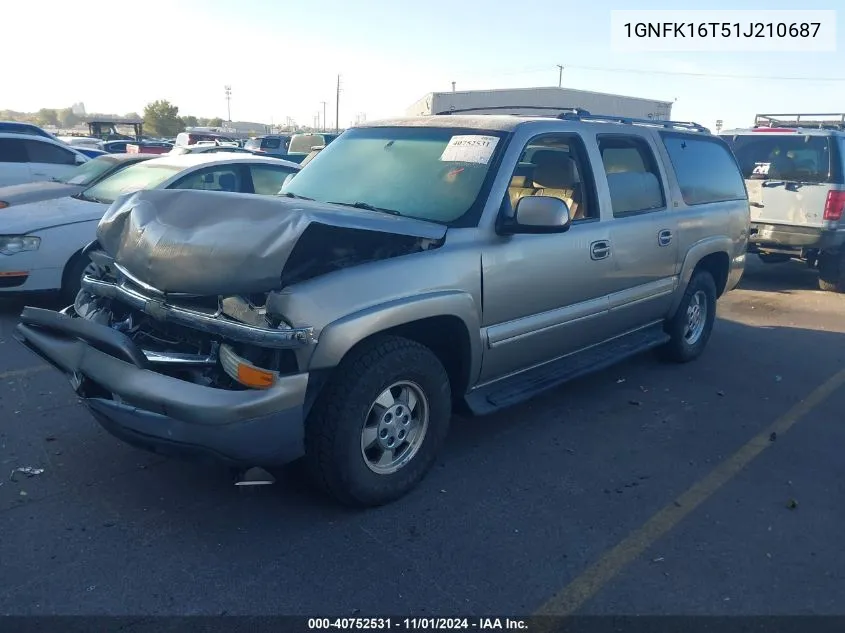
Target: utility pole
228 91
453 86
325 123
337 108
560 76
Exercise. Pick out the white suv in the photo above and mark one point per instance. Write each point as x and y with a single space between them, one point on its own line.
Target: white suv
29 158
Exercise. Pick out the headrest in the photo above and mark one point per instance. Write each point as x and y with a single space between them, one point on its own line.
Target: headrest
227 182
555 170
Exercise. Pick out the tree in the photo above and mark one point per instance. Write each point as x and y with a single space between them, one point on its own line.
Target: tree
162 118
132 115
215 122
48 116
67 118
190 121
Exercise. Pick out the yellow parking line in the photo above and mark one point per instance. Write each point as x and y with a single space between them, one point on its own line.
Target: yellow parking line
612 562
18 373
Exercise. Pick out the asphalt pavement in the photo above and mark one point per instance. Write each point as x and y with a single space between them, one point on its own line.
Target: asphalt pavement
709 488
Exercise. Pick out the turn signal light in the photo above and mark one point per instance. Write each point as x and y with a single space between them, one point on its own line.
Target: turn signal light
3 205
241 370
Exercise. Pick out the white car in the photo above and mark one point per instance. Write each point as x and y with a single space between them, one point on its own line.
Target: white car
30 158
41 243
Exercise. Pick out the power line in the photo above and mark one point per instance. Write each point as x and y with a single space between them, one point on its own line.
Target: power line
643 71
713 75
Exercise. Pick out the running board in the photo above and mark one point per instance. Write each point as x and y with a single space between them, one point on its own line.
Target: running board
524 386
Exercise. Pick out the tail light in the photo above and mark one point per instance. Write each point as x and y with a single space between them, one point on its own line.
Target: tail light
833 205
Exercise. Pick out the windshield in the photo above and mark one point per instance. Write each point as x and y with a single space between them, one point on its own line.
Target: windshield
769 156
429 173
147 175
88 172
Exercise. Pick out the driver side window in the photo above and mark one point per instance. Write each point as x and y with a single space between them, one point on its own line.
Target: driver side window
556 166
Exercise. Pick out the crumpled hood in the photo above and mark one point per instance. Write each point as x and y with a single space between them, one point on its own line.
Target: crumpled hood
214 243
36 216
36 191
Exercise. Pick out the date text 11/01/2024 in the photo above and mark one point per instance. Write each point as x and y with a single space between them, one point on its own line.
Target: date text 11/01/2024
429 624
722 29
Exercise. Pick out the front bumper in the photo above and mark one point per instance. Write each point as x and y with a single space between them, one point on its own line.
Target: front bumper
165 414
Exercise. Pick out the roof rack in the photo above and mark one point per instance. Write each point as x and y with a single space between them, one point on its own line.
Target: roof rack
825 121
579 114
562 110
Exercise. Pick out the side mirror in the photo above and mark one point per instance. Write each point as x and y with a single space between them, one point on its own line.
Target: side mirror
537 214
79 160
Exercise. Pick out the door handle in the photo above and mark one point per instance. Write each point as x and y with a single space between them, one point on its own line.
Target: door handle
600 249
664 238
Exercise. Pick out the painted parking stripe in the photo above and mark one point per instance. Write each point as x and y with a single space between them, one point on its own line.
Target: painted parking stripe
612 562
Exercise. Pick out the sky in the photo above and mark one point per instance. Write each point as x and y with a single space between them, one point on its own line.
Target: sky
282 58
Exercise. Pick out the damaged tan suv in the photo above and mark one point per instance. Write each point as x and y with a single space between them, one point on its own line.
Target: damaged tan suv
413 268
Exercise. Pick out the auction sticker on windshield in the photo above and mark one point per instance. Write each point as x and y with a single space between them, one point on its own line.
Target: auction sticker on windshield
469 148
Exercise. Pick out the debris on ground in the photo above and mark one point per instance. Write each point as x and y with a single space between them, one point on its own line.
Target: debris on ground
29 471
636 403
620 381
792 504
659 559
255 477
773 436
778 378
720 393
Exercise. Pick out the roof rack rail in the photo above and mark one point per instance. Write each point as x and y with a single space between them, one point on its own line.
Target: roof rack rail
562 110
825 121
580 114
664 123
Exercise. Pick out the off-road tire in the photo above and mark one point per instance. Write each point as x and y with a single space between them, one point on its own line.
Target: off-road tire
832 271
678 349
333 455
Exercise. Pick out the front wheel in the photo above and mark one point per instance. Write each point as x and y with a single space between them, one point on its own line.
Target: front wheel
378 424
72 277
692 323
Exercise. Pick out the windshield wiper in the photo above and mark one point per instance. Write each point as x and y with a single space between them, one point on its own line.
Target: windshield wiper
367 206
293 195
81 196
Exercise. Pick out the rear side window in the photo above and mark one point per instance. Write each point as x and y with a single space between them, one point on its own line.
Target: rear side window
633 178
705 168
271 143
769 156
12 150
49 153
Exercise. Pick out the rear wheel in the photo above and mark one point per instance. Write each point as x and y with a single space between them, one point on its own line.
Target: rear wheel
832 271
692 323
378 424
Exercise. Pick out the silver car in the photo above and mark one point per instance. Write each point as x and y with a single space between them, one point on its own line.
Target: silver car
413 267
794 166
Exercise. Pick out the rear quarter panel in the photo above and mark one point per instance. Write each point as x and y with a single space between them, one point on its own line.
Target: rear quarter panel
705 229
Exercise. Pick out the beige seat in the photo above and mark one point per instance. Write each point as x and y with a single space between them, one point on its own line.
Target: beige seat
556 176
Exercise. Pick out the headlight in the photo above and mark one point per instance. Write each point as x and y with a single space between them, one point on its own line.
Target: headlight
11 244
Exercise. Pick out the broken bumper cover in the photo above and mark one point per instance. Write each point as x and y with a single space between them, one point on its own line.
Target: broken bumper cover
165 414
